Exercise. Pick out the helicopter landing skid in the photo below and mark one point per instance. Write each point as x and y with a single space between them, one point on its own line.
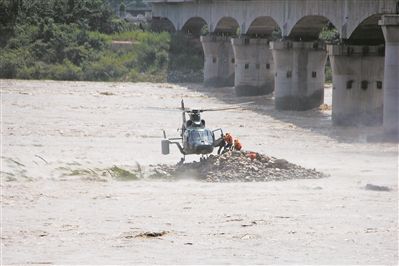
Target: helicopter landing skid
182 160
203 158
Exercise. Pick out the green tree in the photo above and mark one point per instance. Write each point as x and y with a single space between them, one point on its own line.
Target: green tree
329 34
122 9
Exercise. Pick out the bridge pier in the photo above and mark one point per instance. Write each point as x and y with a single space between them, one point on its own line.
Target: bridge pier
219 61
358 74
390 28
299 78
253 67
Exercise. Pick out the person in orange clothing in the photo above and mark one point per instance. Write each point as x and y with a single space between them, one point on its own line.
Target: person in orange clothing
226 143
229 141
237 145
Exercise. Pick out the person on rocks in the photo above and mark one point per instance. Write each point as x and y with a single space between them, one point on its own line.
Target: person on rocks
226 143
221 144
237 145
228 138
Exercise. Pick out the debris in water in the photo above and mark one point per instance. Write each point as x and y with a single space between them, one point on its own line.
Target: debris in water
377 188
122 174
249 236
152 234
325 107
107 93
40 157
114 172
250 224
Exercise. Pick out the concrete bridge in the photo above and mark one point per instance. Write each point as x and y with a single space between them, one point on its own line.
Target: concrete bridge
261 46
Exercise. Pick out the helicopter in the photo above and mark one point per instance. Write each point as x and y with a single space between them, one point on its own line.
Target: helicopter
194 138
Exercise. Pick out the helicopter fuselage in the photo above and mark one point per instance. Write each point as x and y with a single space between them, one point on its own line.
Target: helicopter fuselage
198 141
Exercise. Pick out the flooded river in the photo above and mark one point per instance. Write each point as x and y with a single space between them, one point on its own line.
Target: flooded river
53 132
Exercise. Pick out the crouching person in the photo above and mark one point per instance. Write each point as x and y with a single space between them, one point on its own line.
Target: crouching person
237 145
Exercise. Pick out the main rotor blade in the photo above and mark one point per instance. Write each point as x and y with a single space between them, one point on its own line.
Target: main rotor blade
190 110
218 109
225 108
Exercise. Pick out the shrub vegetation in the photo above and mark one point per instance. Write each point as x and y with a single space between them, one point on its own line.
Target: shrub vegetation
72 40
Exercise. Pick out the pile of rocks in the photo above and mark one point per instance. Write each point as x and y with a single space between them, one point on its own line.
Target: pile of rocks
235 166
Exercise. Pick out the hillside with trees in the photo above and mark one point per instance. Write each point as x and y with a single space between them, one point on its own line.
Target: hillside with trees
72 40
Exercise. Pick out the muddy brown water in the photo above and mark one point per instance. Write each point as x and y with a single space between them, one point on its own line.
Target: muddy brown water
49 215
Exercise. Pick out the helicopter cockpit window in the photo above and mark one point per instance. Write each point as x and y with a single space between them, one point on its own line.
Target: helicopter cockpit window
195 135
203 135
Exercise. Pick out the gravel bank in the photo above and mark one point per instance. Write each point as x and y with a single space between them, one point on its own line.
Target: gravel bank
237 166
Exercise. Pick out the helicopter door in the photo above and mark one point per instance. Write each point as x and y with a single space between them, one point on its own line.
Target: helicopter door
217 140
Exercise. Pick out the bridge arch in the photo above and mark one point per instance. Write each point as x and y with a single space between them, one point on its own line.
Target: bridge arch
263 26
367 32
308 28
228 25
195 26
